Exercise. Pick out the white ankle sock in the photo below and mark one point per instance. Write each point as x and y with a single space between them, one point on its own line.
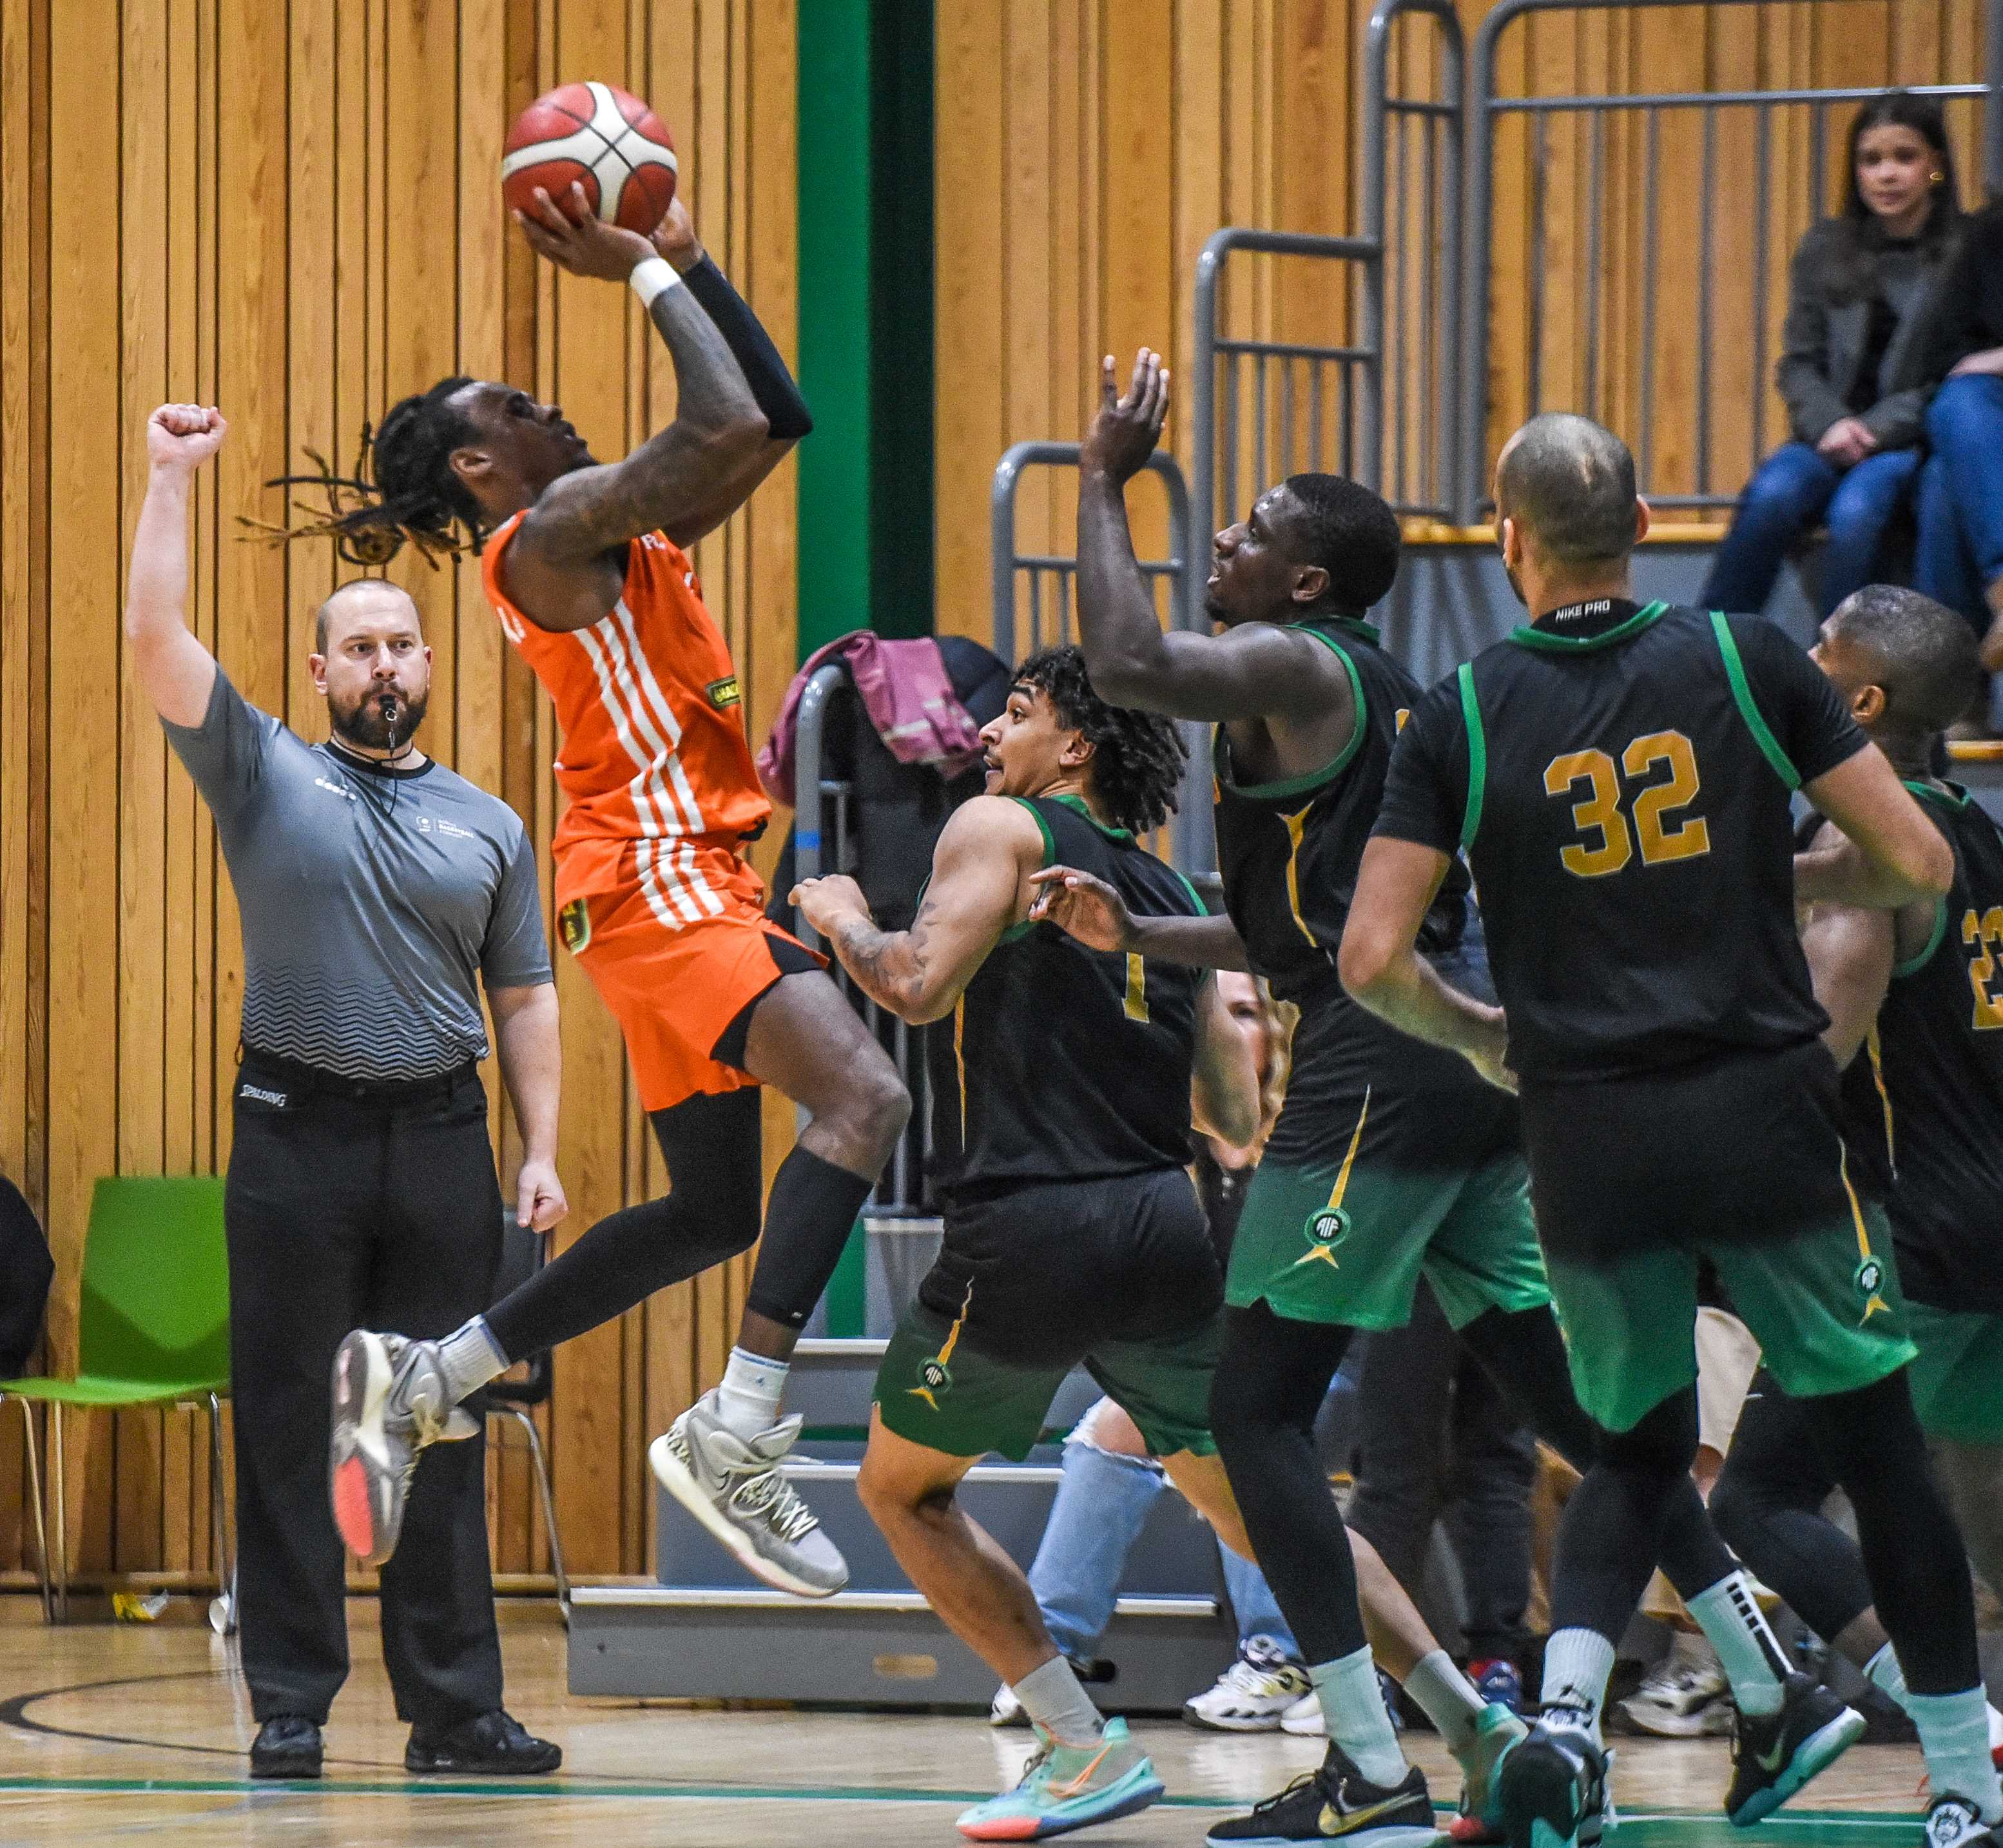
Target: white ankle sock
1447 1697
1352 1708
1053 1697
1577 1663
748 1400
1883 1672
1748 1652
1954 1735
469 1357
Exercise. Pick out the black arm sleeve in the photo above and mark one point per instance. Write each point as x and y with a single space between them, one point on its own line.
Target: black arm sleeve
778 398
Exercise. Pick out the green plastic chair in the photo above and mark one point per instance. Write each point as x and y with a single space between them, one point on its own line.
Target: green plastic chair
153 1326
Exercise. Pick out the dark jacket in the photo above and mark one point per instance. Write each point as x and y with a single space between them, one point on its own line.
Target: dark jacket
1828 324
1967 314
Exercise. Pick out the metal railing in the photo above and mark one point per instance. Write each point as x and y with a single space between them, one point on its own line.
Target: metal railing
1252 419
826 839
1411 209
1761 116
1049 583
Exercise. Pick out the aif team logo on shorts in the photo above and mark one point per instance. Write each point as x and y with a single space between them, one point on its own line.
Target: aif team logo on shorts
936 1375
574 926
1328 1226
1870 1280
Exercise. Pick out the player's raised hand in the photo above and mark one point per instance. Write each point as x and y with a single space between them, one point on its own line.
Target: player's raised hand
576 238
825 902
184 436
1123 434
1080 905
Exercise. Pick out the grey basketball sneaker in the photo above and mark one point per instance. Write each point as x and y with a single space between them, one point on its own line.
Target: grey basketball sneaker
390 1402
734 1488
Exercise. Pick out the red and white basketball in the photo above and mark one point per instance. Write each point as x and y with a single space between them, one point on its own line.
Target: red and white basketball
597 135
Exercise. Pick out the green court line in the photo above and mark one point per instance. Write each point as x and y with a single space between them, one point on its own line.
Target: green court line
521 1789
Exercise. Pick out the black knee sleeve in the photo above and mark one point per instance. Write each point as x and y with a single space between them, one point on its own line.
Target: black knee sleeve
711 1145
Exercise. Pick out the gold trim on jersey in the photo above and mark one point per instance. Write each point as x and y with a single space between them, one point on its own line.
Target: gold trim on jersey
959 1059
1326 1227
1296 828
1876 1054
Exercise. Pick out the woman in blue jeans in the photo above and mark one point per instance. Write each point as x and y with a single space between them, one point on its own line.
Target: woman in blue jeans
1855 370
1960 561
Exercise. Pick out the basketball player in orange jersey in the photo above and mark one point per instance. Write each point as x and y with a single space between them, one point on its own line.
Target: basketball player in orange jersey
584 564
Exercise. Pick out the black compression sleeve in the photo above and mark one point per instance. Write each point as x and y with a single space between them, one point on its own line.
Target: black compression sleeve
764 371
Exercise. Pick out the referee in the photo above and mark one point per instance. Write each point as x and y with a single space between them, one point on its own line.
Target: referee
378 891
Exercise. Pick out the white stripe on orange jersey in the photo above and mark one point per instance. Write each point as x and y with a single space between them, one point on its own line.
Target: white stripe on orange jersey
651 689
645 786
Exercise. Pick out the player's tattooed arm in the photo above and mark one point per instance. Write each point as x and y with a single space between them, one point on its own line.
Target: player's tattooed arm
977 890
1258 670
687 476
1380 965
1086 906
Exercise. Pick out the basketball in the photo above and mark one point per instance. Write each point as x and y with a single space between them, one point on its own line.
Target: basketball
601 136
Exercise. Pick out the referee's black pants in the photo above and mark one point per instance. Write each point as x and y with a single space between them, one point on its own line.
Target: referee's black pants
346 1212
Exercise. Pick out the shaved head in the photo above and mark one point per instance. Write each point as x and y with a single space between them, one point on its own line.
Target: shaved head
1568 483
364 596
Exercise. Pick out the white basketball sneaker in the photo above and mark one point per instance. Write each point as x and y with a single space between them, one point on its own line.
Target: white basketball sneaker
1252 1694
735 1488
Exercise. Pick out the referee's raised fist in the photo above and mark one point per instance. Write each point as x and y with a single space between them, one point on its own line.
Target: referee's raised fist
183 436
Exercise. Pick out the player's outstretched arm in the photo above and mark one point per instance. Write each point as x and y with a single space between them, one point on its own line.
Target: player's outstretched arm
1084 906
1253 672
176 671
978 888
1889 855
1225 1088
1380 965
684 478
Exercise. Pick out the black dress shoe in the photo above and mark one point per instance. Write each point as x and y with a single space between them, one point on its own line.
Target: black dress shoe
493 1744
287 1745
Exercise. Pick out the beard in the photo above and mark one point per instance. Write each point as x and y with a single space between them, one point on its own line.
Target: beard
360 722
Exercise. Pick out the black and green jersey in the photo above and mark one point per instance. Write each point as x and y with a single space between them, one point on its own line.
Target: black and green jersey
1289 851
1620 779
1923 1102
1062 1063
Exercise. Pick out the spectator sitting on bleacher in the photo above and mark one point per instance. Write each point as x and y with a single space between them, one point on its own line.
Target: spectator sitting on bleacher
1854 371
1960 561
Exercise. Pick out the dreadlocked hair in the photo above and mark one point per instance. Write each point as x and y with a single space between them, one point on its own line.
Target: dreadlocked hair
401 487
1138 758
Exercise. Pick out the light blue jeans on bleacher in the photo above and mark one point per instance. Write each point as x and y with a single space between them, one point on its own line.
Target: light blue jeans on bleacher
1102 1505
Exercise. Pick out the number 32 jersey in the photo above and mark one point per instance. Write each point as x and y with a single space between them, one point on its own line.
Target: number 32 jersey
1620 779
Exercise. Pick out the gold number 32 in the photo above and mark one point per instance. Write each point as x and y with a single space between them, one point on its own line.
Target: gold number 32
1661 839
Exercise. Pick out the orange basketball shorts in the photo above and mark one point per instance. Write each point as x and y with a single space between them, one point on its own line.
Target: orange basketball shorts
677 949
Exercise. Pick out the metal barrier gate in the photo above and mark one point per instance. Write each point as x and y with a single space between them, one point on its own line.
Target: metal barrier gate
824 841
1635 401
1049 581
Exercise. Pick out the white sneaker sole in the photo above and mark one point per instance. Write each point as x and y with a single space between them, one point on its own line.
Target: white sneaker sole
1231 1723
357 1462
669 1472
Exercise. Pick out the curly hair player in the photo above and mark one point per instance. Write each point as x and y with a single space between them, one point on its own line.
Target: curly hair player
1062 1123
1386 1162
584 565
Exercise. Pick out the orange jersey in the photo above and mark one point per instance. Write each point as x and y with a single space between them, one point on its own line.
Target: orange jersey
655 765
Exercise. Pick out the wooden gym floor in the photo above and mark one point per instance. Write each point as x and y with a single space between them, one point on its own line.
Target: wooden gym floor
128 1733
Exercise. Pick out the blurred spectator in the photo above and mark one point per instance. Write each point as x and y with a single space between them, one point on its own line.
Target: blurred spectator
1855 372
1960 560
1437 1442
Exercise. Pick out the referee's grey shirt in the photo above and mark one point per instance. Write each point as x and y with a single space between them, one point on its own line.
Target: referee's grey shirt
374 900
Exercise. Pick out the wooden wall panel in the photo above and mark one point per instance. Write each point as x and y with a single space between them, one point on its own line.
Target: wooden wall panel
299 219
1073 199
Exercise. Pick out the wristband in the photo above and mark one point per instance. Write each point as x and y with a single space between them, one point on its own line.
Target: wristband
653 276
